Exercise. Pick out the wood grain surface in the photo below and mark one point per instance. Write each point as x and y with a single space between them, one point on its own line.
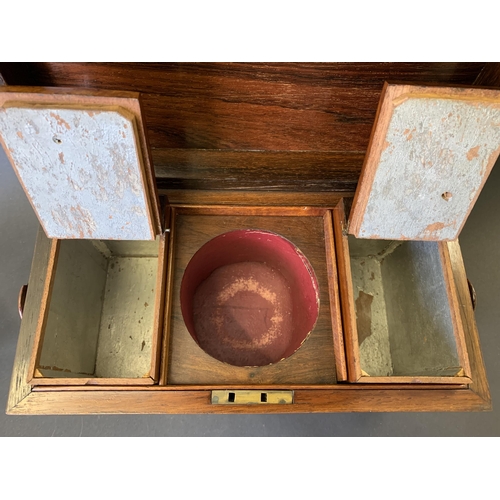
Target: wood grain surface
305 401
489 75
253 126
327 107
254 198
451 290
333 288
346 293
42 257
313 362
301 171
477 369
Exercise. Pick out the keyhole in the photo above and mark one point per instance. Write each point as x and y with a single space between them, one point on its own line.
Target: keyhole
56 140
230 397
446 196
263 397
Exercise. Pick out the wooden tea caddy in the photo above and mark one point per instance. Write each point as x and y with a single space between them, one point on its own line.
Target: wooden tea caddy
102 330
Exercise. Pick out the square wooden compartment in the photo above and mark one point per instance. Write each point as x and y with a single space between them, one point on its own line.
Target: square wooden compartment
100 319
318 361
401 315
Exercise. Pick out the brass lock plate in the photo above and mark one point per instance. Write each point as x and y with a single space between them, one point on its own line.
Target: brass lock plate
236 397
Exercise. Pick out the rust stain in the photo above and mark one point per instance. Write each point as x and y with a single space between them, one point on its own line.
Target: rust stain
54 368
431 229
436 226
364 315
90 113
20 134
60 121
86 223
386 145
409 134
473 153
61 158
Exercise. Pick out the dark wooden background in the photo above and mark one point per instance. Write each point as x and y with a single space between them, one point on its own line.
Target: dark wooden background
248 126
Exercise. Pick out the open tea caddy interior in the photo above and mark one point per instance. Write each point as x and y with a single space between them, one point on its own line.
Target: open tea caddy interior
136 304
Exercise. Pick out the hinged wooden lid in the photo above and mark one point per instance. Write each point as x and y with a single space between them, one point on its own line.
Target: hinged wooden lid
83 159
430 153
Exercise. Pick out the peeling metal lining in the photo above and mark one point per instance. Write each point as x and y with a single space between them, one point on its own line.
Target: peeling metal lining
81 169
430 154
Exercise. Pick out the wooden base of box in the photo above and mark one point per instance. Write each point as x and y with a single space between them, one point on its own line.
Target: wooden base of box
318 393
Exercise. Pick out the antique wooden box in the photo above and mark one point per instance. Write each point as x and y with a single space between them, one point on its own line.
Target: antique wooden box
106 328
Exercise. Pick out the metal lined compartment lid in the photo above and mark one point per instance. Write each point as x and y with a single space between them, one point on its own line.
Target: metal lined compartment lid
82 158
430 153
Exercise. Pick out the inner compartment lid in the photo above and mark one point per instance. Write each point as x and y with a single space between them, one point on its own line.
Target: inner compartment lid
82 158
430 153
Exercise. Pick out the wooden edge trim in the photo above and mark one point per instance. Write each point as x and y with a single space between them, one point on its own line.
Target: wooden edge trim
44 310
415 380
159 307
372 158
305 401
254 197
19 386
250 210
89 381
333 290
346 295
148 169
479 380
209 387
142 157
456 318
47 95
165 346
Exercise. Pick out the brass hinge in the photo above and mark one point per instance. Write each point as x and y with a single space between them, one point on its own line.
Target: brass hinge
252 397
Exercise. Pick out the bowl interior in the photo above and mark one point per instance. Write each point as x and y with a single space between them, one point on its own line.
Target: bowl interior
249 297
